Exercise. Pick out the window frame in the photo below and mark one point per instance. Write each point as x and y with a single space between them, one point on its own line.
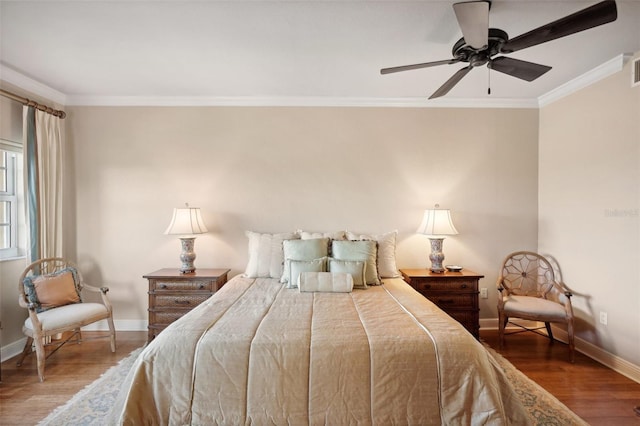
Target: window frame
11 195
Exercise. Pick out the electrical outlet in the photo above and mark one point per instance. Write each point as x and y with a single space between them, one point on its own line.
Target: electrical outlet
603 318
484 293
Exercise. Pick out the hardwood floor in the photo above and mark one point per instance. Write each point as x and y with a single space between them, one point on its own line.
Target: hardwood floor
26 401
597 394
594 392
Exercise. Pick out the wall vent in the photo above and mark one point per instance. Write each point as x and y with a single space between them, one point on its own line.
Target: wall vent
635 73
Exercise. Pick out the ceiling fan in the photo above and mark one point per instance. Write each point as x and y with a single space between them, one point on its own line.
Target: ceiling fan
480 44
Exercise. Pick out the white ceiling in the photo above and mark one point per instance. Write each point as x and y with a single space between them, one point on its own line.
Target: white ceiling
97 51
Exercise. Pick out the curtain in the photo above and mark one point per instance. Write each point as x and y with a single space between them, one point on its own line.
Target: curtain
43 166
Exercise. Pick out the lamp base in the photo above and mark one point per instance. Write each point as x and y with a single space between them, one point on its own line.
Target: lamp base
187 256
436 257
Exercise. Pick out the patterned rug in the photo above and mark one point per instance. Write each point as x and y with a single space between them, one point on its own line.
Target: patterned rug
91 405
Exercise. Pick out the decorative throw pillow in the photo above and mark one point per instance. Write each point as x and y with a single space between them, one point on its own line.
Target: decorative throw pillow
387 267
303 250
296 267
265 254
326 282
356 268
53 290
365 251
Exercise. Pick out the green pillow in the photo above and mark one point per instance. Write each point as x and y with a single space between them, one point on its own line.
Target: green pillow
365 251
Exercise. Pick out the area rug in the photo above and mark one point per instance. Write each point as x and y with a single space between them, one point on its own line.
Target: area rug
91 405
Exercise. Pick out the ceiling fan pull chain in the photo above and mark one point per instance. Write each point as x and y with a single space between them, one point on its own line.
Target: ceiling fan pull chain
489 80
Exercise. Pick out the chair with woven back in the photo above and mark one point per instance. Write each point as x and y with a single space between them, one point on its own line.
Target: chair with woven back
52 291
527 289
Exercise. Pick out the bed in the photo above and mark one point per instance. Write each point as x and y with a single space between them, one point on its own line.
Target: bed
261 351
258 352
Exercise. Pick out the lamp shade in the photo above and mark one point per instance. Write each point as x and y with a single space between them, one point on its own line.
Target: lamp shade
186 221
437 222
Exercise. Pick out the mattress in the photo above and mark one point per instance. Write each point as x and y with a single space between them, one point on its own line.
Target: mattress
259 353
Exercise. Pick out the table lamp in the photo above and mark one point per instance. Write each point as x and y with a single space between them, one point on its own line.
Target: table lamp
437 223
186 222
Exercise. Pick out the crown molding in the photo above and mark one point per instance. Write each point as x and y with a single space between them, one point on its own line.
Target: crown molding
610 67
11 76
298 102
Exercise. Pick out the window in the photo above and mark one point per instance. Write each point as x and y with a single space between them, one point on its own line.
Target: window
10 164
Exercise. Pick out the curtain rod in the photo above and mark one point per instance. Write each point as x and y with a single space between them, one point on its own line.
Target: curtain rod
34 104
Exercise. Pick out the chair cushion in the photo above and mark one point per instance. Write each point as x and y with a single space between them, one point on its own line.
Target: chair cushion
68 315
53 290
534 308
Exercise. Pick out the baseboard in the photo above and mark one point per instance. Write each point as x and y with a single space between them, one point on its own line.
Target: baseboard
594 352
612 361
14 348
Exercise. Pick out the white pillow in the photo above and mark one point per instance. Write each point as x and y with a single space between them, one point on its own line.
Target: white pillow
265 254
356 268
387 267
365 250
303 250
339 235
297 267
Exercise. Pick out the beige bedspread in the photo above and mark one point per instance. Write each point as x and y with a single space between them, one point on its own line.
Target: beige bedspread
259 353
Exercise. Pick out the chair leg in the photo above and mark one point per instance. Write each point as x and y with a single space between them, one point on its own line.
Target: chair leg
112 332
40 356
26 351
78 332
502 323
549 332
572 348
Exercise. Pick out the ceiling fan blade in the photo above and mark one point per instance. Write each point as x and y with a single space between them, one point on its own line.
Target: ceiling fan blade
473 19
417 66
449 84
598 14
524 70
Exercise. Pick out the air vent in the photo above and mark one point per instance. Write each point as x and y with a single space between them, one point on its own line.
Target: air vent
635 73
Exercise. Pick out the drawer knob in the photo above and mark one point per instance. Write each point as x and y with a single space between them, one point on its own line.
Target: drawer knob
427 286
182 302
201 286
463 286
445 301
162 286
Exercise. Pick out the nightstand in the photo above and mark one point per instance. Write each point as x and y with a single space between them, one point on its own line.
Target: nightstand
172 294
456 293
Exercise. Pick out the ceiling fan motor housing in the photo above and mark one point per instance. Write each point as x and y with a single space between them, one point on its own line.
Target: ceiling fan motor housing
476 57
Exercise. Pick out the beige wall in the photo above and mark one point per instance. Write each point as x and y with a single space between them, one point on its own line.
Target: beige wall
589 212
281 169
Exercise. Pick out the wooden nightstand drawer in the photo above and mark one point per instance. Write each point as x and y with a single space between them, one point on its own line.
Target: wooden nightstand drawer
426 286
183 285
457 301
178 300
164 318
173 294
